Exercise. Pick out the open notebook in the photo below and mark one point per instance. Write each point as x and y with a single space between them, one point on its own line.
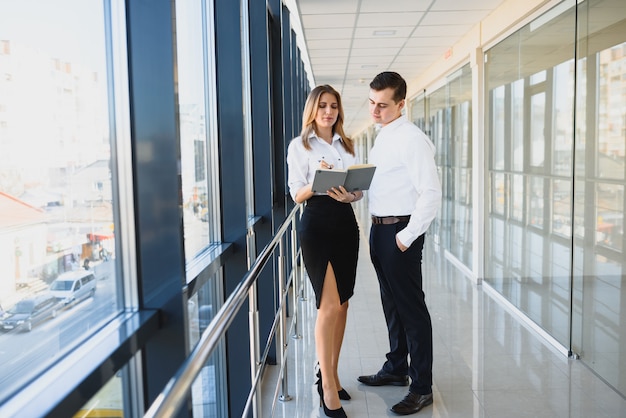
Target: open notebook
355 177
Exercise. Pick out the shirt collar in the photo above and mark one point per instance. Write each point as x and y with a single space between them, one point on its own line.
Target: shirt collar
392 125
336 137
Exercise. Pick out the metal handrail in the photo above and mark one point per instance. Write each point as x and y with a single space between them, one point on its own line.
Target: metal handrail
169 401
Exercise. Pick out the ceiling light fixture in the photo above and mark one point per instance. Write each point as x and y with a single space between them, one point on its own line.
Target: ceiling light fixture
384 32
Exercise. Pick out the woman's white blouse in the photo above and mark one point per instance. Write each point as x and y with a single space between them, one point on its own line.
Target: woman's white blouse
302 163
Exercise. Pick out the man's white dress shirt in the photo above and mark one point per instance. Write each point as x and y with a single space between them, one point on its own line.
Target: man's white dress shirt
406 180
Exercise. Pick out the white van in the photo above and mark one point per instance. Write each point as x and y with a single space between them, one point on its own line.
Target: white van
74 286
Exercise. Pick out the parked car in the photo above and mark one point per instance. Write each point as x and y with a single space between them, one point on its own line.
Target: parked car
29 312
74 286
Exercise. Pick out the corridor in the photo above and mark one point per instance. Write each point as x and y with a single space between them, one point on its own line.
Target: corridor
487 362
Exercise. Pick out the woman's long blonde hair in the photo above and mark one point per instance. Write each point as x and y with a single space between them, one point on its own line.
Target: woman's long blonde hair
310 110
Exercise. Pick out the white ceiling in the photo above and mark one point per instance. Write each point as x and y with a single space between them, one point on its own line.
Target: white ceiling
350 41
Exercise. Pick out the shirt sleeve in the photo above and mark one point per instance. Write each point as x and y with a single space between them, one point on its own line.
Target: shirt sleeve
420 163
297 167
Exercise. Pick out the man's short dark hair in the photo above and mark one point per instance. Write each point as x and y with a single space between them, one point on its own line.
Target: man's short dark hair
390 79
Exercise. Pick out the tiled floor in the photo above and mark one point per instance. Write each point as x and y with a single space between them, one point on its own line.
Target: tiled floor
487 362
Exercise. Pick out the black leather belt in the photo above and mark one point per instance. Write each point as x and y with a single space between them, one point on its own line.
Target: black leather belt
389 220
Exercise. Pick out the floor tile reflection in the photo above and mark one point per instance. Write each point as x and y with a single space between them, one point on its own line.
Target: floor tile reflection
487 363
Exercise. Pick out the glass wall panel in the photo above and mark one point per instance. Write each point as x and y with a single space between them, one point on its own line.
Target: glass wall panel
58 232
439 126
497 126
418 113
517 127
108 402
529 80
460 200
207 392
193 89
537 129
362 146
599 311
561 207
446 116
517 197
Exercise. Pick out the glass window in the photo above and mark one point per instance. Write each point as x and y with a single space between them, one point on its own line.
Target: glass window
439 123
108 402
499 191
207 395
459 102
537 129
57 205
538 78
599 167
611 121
463 126
499 137
517 125
610 215
193 91
418 112
450 124
536 201
196 81
529 80
517 197
563 119
562 207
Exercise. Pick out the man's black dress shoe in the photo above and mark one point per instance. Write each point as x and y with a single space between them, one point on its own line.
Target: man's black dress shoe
412 403
381 378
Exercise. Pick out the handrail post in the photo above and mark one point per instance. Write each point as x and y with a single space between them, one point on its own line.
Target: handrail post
296 283
282 323
301 270
253 321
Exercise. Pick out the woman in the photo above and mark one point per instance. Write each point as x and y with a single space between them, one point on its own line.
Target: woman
329 235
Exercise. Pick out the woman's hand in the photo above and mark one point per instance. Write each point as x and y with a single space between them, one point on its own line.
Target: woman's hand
340 194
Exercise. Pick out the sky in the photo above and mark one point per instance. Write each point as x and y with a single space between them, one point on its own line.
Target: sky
71 30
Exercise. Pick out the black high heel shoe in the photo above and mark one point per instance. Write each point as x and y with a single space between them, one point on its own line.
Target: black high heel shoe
343 394
331 413
334 413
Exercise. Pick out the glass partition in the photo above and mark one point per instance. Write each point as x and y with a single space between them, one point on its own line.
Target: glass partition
418 112
529 102
450 128
438 126
557 138
459 201
599 306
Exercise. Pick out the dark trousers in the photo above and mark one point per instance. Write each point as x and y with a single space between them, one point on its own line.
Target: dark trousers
408 321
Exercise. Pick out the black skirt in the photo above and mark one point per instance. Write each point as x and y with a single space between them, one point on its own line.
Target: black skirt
329 233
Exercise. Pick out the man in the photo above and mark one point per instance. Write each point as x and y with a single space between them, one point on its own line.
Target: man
404 198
